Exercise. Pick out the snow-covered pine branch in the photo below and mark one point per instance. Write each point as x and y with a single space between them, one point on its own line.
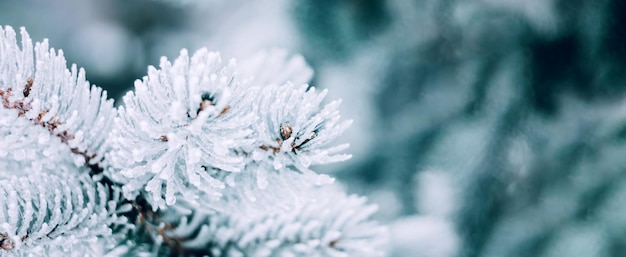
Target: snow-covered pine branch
182 121
53 127
231 144
49 203
37 84
328 223
235 144
296 130
192 125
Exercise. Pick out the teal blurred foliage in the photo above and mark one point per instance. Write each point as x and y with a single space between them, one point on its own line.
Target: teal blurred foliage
333 28
134 26
521 104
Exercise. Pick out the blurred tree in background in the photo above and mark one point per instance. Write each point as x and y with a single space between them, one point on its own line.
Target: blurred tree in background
482 128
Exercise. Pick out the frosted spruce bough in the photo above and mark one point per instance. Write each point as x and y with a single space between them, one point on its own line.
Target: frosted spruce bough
44 91
190 125
331 224
204 157
52 125
180 121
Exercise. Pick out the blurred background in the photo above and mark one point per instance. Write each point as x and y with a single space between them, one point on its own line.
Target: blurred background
483 128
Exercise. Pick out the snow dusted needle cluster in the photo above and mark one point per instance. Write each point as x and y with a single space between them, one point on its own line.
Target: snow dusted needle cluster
193 125
179 123
52 125
37 84
204 157
333 224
